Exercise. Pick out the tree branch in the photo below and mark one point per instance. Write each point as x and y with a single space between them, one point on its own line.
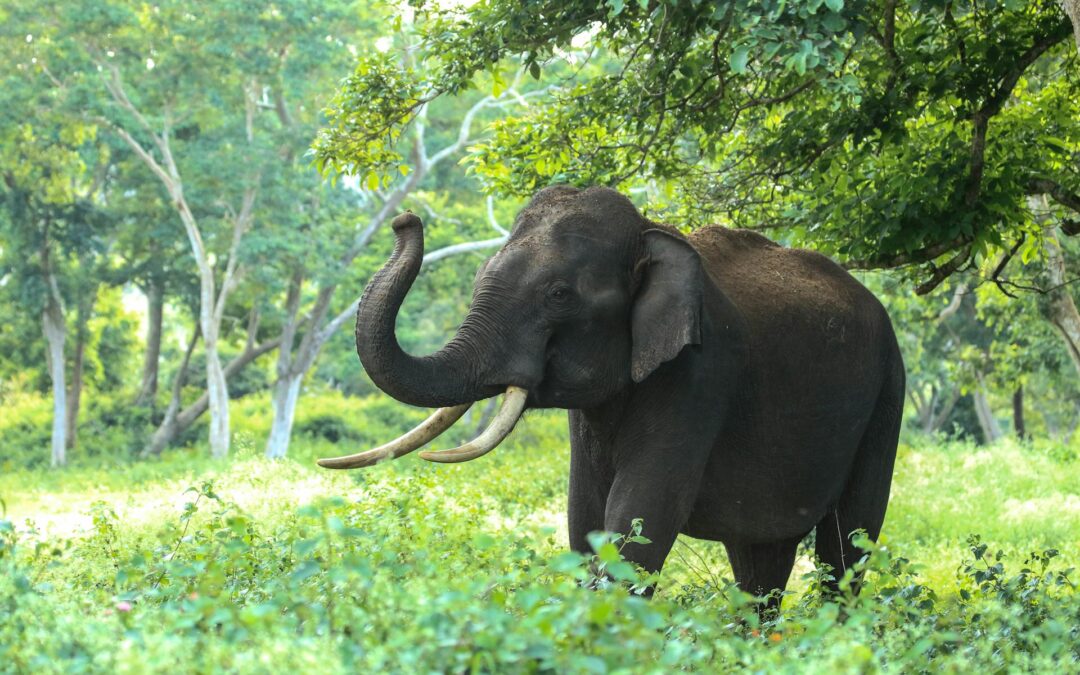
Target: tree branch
954 304
1056 191
464 131
981 118
491 216
942 273
921 255
241 223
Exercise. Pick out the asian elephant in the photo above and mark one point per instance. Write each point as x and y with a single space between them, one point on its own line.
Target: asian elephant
717 384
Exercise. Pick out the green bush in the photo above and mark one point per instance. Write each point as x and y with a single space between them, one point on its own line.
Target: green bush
267 566
328 427
371 585
110 427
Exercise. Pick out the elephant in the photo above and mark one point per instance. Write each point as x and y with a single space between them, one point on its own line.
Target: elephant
717 384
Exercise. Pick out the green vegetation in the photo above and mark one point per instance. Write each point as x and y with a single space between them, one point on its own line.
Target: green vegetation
260 566
180 262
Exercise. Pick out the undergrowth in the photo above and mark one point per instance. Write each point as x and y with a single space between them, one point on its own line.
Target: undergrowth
256 566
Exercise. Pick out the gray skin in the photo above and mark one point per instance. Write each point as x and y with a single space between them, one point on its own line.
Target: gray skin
718 385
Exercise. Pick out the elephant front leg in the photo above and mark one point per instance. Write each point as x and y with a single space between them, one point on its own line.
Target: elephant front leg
662 502
589 488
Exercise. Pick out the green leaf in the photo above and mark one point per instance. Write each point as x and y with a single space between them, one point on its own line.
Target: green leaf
498 84
835 5
738 59
834 22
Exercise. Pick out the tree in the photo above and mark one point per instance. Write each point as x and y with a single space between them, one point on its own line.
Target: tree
202 99
317 325
53 235
436 138
890 135
861 127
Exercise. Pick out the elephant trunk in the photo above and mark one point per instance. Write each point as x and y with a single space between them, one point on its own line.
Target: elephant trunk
445 378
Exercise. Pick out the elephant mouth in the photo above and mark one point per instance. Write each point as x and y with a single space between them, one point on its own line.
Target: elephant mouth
513 405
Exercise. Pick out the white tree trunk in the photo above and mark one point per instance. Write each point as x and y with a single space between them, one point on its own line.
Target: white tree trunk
218 391
211 299
1072 9
1062 310
990 427
52 320
286 395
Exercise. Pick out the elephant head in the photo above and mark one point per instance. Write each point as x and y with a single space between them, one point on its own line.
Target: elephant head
585 298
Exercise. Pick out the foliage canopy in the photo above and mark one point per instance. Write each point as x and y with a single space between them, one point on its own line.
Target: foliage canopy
887 133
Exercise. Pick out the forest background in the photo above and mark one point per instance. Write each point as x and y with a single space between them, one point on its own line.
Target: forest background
191 202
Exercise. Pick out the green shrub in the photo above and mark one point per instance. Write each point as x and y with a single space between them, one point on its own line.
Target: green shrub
369 585
328 427
269 566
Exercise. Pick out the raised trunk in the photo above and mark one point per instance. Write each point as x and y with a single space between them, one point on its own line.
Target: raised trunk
52 320
286 393
155 296
446 378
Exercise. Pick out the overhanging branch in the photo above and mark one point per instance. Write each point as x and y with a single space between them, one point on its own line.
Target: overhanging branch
919 256
1056 191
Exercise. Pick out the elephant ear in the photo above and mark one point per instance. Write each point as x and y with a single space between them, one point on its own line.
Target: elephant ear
667 310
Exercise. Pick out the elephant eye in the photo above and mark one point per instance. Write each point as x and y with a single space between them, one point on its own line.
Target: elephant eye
559 292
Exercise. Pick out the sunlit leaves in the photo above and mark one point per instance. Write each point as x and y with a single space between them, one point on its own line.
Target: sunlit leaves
859 122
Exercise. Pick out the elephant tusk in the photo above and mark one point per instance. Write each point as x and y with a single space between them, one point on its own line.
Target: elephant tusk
439 421
512 406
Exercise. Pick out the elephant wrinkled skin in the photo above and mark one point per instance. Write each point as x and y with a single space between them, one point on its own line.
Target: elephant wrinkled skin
718 385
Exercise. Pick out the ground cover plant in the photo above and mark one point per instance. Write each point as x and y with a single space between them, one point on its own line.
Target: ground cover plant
254 565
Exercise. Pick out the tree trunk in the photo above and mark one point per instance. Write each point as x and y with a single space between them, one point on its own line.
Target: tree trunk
925 409
1018 413
990 428
74 398
183 419
1072 9
287 385
1072 430
155 296
52 320
943 415
166 431
1061 310
218 395
286 394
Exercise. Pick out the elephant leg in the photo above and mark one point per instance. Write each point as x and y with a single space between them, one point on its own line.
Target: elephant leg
588 489
663 503
762 568
866 495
